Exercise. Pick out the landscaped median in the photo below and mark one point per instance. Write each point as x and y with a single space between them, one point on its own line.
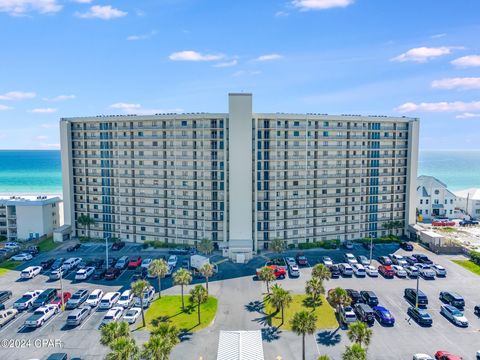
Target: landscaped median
169 309
469 265
7 265
325 313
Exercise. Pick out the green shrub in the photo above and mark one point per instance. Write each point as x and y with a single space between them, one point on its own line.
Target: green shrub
324 244
291 246
475 257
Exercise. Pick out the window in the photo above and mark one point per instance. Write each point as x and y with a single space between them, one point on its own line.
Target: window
437 192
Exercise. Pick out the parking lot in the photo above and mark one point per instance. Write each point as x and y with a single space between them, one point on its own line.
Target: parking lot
236 290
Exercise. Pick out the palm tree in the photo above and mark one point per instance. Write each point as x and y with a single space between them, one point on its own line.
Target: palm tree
199 296
86 221
314 288
123 348
182 277
304 322
339 297
280 299
354 352
159 269
114 330
138 288
205 246
207 271
267 275
359 333
277 245
157 348
167 330
324 357
321 272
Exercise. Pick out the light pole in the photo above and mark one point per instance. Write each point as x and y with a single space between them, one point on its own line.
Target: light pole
416 295
61 289
371 249
106 252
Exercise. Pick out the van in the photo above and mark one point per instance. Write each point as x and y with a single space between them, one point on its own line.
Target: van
71 263
122 263
411 296
94 298
76 317
108 300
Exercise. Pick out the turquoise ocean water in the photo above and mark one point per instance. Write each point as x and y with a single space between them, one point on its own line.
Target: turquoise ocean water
39 172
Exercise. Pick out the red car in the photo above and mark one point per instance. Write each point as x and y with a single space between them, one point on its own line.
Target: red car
445 355
135 262
118 245
386 271
112 273
279 272
301 259
58 299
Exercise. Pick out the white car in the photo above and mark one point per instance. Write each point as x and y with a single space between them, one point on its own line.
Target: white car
294 270
84 274
290 261
22 257
371 271
345 269
350 258
146 263
126 299
440 271
71 263
347 315
132 315
399 271
359 270
412 271
398 260
114 314
422 357
454 315
172 261
11 245
30 272
327 261
147 298
363 260
425 271
94 298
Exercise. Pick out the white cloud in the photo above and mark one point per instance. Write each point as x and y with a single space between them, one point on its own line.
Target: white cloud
142 36
4 107
438 36
468 115
226 64
61 98
43 110
305 5
17 95
190 55
129 108
243 73
281 14
467 61
83 1
49 146
269 57
21 7
465 83
105 12
444 106
423 54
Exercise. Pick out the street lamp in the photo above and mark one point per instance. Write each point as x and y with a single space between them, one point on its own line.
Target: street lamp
416 295
371 249
106 252
61 289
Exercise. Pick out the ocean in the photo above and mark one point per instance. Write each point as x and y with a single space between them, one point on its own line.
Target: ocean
34 172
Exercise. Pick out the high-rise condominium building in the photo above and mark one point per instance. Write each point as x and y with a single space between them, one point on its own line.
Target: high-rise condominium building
239 178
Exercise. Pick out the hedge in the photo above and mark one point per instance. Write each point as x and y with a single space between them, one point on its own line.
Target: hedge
157 244
475 257
381 240
324 244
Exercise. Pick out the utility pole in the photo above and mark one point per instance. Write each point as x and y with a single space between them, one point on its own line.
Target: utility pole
371 249
106 252
416 295
61 289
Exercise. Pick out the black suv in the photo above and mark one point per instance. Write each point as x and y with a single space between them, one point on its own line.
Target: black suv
334 271
453 299
4 296
411 295
369 297
423 259
364 313
57 263
45 297
46 264
355 296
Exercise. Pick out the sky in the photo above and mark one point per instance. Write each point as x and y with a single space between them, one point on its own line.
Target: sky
64 58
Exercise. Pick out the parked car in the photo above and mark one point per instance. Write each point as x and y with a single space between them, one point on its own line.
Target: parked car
135 262
399 271
363 260
327 261
384 260
279 272
71 263
111 262
7 315
132 315
41 315
5 295
334 271
439 270
11 245
141 273
410 260
118 245
345 269
452 298
94 298
348 245
108 300
383 315
99 273
425 271
77 299
32 250
406 246
301 259
114 314
420 316
350 258
146 263
412 271
369 297
126 299
364 313
368 245
77 316
26 300
112 273
58 299
359 270
421 258
22 257
57 263
57 273
185 264
386 271
46 264
422 357
147 298
290 261
347 315
122 263
45 297
98 262
371 271
454 315
30 272
58 356
84 274
445 355
294 270
172 261
465 222
410 295
476 310
398 260
354 296
73 247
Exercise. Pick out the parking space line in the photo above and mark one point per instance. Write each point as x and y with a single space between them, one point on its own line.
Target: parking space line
19 317
92 311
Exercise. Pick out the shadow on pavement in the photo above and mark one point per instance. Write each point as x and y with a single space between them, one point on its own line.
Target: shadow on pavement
255 306
270 333
329 338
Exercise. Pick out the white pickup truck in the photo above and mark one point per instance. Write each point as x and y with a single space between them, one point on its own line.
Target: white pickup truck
41 315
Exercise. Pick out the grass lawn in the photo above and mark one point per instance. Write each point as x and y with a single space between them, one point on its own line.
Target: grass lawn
169 308
325 313
47 244
8 265
469 265
446 229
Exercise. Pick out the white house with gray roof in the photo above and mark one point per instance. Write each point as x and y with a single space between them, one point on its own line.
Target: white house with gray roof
434 199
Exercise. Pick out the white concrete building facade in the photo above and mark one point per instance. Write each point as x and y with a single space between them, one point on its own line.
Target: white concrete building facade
29 217
239 178
434 199
469 201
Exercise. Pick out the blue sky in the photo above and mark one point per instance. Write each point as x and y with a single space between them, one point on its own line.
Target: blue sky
62 58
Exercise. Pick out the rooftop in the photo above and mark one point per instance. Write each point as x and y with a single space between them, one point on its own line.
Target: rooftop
29 200
472 193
